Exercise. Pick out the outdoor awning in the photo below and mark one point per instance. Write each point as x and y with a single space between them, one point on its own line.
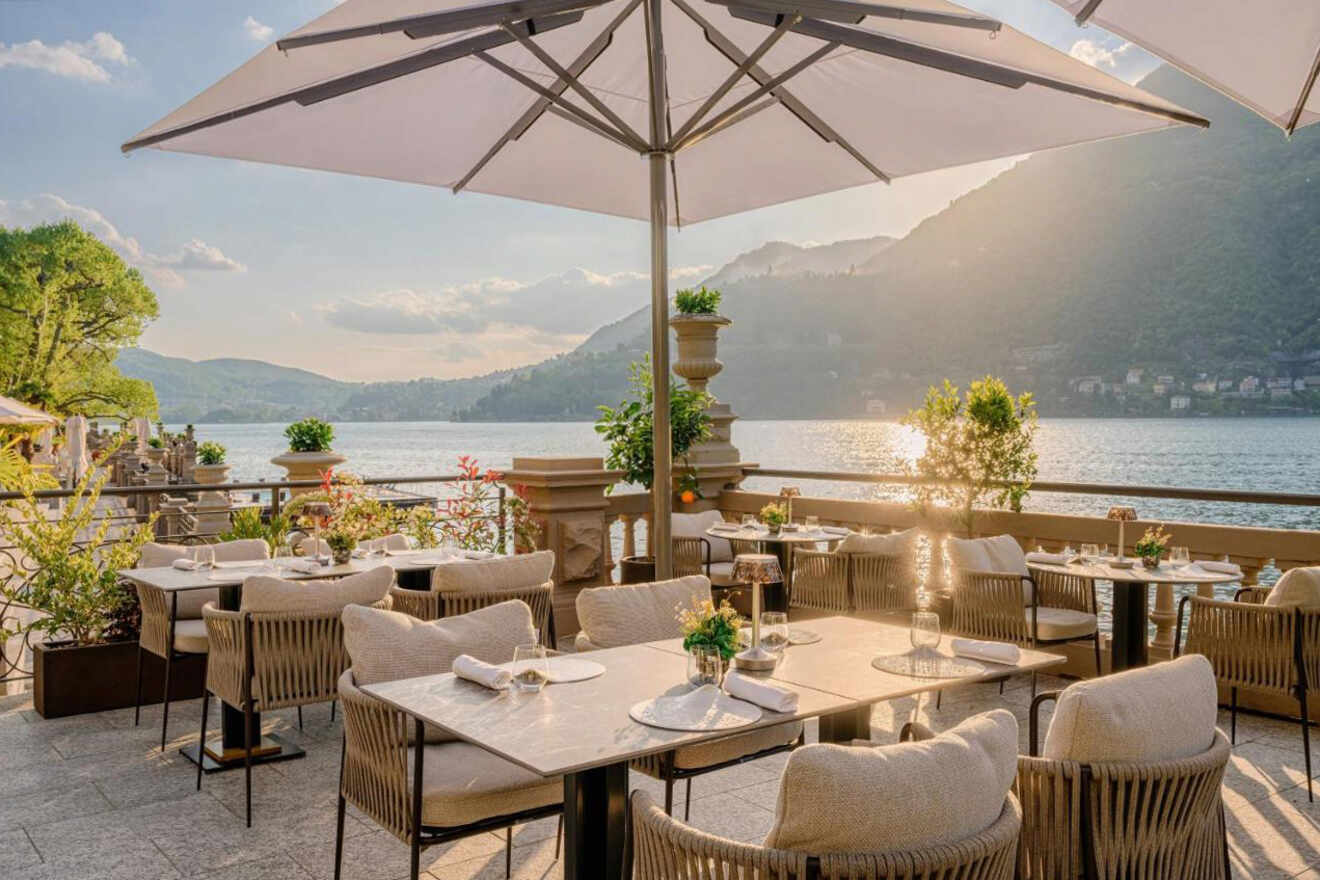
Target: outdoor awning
14 413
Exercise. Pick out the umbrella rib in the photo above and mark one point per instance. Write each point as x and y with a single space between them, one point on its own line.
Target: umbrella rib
804 114
579 66
720 125
1305 96
361 79
524 80
436 23
854 12
569 117
739 72
1087 11
959 65
556 68
725 118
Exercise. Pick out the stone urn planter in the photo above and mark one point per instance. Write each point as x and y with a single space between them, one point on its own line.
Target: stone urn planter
307 466
211 474
698 341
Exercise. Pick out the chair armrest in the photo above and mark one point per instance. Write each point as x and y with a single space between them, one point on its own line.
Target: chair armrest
1252 595
915 731
582 644
229 657
1033 720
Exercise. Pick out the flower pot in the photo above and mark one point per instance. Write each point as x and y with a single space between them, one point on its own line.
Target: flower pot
307 466
71 679
637 570
697 338
1150 561
211 474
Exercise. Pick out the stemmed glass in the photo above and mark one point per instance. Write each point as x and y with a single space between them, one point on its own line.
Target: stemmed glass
204 556
749 522
812 523
1090 553
925 635
774 631
1179 556
282 556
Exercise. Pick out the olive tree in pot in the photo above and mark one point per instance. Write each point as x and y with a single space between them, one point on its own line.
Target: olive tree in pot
84 629
627 429
309 454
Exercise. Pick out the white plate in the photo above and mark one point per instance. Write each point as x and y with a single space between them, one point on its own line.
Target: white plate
798 636
724 713
566 669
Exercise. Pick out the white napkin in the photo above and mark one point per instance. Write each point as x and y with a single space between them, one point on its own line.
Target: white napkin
765 694
477 554
1213 566
1049 558
692 708
243 563
185 564
726 527
494 677
993 652
835 530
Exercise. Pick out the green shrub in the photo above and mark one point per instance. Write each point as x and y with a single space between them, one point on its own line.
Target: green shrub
247 522
211 452
155 443
627 427
697 302
309 435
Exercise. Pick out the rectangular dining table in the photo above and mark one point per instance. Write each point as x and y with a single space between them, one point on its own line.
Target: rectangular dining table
582 730
227 578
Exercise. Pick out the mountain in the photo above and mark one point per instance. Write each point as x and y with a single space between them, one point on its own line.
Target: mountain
238 390
784 259
1184 252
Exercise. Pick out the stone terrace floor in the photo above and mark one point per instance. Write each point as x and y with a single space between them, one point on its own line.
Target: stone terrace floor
91 796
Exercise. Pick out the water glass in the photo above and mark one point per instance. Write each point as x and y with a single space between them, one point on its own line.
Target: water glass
1090 553
749 521
204 556
531 668
376 547
774 631
1179 556
925 635
812 523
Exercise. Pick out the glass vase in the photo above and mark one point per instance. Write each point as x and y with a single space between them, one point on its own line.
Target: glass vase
705 665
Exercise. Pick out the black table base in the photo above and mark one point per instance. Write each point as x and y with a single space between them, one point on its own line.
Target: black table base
272 748
1128 649
596 823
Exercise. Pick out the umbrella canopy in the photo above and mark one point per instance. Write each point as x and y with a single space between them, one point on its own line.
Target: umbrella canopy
15 413
675 111
1264 53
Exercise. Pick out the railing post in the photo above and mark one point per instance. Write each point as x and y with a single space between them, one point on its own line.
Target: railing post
503 522
629 534
1163 616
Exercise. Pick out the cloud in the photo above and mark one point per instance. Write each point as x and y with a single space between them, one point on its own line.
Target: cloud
1097 55
195 255
257 31
84 61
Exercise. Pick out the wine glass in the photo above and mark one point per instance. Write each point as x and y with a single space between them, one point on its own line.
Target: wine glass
204 556
531 668
749 521
925 636
1179 556
1090 553
812 523
774 631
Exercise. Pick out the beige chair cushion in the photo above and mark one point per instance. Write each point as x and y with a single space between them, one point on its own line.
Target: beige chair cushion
938 791
896 544
496 573
190 637
694 525
626 615
731 747
1156 713
266 594
191 601
387 645
1056 624
463 783
1002 553
1298 588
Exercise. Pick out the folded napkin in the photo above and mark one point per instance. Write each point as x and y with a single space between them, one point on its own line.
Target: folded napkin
992 652
726 527
1213 566
765 694
185 564
694 710
836 530
1049 558
494 677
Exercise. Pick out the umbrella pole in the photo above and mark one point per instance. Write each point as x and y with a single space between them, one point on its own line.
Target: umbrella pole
662 440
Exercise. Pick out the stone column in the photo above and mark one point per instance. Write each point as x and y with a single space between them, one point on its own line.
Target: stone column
566 497
716 461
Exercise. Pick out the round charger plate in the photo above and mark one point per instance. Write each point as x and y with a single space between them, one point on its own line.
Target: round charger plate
942 667
799 636
566 669
727 713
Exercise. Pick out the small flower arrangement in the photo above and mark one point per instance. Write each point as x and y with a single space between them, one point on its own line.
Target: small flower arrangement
774 515
1151 546
341 539
704 624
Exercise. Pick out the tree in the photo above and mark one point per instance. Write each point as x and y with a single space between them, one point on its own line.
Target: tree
627 427
68 304
978 448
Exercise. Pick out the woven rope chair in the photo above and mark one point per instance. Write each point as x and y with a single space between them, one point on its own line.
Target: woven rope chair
260 661
434 604
691 556
1158 820
821 582
850 582
666 849
1254 647
375 777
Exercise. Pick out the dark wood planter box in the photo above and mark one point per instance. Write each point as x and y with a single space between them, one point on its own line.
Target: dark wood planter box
637 569
71 679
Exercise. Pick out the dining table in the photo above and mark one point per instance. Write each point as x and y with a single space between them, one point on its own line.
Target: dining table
1130 602
781 543
583 732
227 578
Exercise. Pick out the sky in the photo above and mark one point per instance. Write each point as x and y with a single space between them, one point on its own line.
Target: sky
361 279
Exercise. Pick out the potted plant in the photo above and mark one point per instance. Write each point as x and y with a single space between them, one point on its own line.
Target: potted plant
627 429
1151 546
341 538
696 328
309 455
83 637
774 515
711 636
211 467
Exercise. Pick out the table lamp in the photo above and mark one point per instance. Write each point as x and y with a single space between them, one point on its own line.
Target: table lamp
756 569
1121 515
788 493
317 510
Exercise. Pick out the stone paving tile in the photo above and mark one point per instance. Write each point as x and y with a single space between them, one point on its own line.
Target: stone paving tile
39 807
16 851
103 846
379 855
280 867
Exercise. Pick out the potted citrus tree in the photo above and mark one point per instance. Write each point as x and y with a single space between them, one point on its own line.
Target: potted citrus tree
309 454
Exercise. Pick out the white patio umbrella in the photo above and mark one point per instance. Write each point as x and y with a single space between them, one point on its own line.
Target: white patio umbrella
18 414
74 454
672 111
1262 53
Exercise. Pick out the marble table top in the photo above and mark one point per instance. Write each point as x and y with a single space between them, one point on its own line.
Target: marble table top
171 579
762 534
1138 573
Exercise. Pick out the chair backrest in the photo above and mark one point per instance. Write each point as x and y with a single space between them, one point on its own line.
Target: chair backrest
902 543
1161 712
309 546
1298 588
694 525
191 602
263 594
626 615
494 574
1002 553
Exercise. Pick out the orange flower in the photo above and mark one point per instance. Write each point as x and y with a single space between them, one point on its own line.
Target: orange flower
688 496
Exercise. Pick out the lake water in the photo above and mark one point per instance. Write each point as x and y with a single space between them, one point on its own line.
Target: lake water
1257 454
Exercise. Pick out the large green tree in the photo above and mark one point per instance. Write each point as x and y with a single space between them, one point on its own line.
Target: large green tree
68 304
